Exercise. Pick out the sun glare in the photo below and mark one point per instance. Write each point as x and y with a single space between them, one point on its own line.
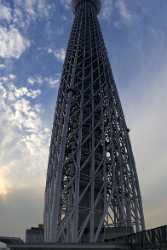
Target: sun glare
4 185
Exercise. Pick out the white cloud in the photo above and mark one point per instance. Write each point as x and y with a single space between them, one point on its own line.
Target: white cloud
35 80
107 8
24 12
5 13
59 54
123 10
24 138
66 3
27 11
12 43
2 66
34 7
24 91
118 12
52 82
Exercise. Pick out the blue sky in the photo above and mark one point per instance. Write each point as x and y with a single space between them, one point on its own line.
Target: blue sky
33 40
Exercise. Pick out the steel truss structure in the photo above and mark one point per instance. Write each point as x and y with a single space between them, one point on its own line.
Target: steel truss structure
91 180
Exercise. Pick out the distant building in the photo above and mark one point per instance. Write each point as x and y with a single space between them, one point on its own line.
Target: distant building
35 235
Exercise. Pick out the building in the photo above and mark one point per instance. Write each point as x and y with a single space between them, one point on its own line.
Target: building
35 235
92 184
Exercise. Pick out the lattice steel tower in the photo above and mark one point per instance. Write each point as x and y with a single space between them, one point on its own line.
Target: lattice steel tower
92 182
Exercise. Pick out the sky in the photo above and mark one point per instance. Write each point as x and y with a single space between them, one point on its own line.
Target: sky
33 41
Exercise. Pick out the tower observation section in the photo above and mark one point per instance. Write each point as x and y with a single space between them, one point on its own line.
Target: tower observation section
92 183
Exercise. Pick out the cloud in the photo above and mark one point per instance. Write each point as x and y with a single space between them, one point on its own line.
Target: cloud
5 13
118 12
34 8
123 10
2 66
66 3
12 43
107 8
24 91
39 80
59 54
23 156
24 12
24 138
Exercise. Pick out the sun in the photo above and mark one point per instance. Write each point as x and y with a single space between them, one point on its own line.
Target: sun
4 184
3 187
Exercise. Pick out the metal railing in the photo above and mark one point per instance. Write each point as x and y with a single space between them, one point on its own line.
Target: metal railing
148 239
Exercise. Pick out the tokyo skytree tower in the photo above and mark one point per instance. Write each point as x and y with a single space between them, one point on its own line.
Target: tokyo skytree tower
92 183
